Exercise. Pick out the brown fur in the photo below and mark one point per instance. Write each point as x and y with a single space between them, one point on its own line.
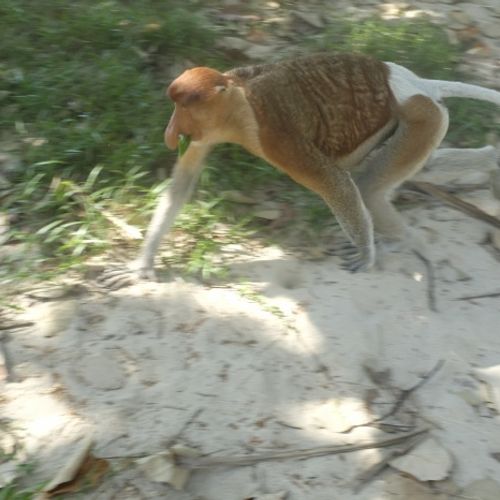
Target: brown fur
345 125
422 127
338 103
315 118
196 85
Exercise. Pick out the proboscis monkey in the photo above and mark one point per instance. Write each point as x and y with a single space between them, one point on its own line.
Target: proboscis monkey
315 118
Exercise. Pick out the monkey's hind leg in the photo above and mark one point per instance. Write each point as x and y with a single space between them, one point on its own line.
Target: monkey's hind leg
422 125
341 194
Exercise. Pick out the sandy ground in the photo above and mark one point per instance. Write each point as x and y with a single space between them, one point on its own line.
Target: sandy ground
287 354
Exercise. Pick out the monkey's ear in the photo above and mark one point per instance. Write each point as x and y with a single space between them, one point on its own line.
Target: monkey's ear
220 88
197 85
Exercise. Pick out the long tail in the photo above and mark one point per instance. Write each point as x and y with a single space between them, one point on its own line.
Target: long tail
458 89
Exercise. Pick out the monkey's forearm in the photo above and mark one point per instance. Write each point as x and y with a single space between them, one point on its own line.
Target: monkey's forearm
185 176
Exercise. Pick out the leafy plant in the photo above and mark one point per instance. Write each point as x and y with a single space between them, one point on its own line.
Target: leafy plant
16 491
417 43
83 109
82 89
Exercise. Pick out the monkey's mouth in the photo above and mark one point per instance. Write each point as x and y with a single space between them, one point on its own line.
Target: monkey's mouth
174 136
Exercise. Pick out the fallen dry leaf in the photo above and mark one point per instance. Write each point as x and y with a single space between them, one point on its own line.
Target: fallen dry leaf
81 470
398 487
429 461
491 376
69 471
90 473
268 214
162 468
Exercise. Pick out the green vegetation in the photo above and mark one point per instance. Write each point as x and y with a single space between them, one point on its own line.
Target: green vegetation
14 491
83 105
83 109
248 292
184 142
417 44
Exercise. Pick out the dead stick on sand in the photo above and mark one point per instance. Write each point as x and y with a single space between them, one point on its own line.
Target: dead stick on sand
431 287
185 425
242 460
410 194
450 199
481 296
453 201
444 194
366 476
403 396
206 462
13 325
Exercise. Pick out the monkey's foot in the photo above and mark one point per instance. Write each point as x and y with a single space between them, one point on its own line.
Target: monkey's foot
353 259
119 277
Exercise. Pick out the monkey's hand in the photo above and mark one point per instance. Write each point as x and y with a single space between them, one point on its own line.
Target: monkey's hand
354 259
129 274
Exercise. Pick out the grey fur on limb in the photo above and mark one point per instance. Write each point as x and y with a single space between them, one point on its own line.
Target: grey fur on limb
183 182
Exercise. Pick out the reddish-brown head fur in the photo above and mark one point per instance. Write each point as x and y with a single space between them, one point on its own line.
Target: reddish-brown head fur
196 85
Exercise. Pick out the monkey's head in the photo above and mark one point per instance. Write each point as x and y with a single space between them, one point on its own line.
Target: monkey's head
197 94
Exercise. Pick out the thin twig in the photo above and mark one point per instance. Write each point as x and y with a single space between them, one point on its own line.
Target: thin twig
431 287
366 476
190 420
408 189
480 296
242 460
403 396
185 425
289 426
207 461
406 393
454 201
462 188
12 325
